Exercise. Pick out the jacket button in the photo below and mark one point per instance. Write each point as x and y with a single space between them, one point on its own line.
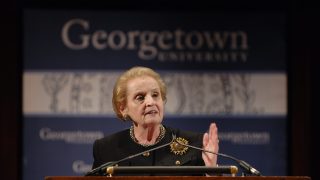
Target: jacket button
146 154
178 163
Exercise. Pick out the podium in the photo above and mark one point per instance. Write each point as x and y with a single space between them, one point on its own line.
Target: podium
177 178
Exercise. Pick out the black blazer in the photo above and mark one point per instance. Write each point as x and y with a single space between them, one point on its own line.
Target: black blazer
120 145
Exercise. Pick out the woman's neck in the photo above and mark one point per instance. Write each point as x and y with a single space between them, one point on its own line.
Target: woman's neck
147 134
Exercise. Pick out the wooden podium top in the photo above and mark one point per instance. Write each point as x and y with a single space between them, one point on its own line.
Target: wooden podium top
177 178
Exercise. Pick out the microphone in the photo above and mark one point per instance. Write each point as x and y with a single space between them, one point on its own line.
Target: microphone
101 170
246 167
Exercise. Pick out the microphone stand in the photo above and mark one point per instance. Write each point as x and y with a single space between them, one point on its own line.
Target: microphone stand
246 167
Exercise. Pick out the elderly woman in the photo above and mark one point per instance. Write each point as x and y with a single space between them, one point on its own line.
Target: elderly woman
139 96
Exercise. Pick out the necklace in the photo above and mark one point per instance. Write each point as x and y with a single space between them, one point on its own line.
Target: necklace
159 138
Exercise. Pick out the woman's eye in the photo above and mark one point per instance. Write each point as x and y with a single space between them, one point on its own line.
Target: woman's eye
155 95
140 98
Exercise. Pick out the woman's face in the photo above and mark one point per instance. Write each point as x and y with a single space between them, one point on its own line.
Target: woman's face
144 101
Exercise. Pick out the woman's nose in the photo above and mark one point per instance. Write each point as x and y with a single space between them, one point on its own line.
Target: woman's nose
149 101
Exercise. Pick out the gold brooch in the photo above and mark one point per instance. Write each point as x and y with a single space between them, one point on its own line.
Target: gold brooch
177 147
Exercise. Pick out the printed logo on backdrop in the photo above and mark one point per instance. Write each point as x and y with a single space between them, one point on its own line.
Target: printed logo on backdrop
164 45
246 138
80 167
70 137
188 93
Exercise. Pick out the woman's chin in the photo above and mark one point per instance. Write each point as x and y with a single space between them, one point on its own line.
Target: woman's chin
152 122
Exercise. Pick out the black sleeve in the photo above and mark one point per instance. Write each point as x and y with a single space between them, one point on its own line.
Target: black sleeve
96 154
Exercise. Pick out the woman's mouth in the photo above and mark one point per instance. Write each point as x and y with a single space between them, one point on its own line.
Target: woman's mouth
151 112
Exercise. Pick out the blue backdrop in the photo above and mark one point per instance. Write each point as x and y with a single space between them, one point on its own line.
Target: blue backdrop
227 68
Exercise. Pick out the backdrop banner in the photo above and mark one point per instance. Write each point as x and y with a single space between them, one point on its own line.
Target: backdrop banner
223 68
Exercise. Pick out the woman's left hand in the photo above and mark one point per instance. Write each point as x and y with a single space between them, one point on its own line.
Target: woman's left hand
211 143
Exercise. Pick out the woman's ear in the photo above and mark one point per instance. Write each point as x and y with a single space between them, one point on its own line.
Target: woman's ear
123 109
